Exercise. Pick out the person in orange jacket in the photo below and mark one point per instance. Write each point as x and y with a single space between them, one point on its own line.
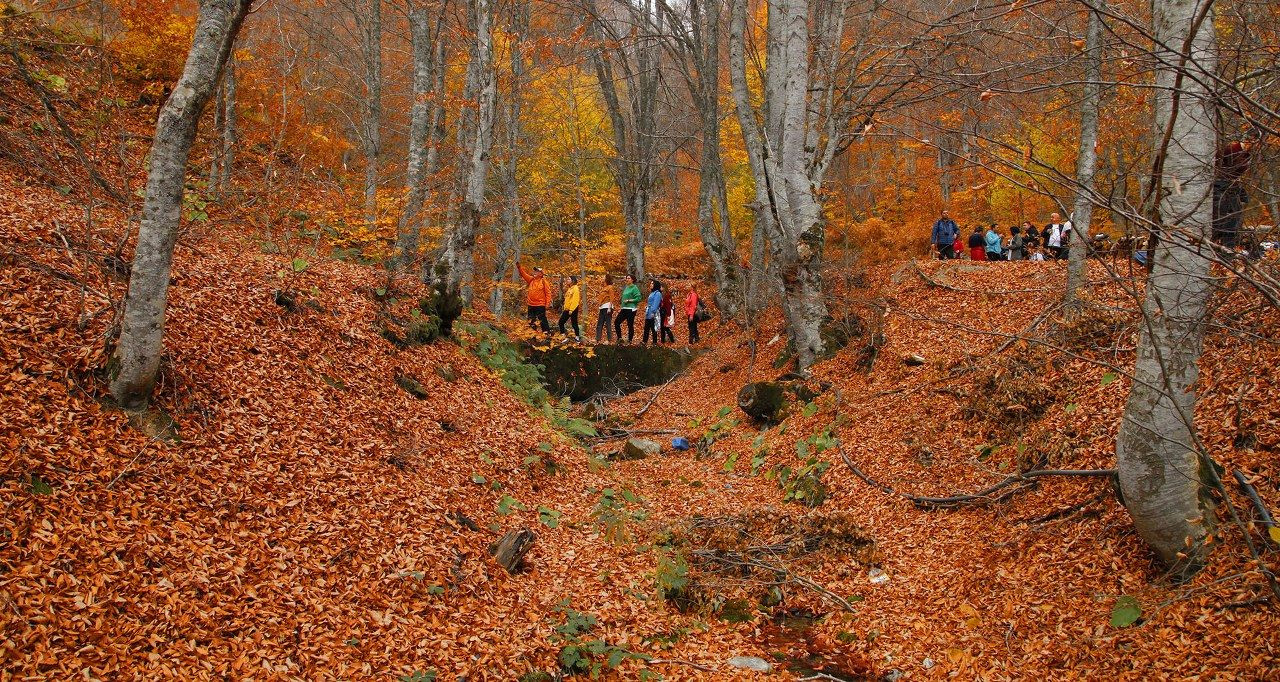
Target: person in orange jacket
538 297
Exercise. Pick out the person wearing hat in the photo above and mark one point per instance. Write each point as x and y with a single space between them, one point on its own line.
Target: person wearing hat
537 297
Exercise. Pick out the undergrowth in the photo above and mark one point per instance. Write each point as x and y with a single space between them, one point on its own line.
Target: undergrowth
499 353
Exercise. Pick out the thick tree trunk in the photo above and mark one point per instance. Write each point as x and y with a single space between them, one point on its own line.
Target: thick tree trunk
423 38
475 137
1086 159
371 121
1156 452
137 355
717 235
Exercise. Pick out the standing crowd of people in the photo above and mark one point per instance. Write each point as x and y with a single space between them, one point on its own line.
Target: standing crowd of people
615 308
1024 242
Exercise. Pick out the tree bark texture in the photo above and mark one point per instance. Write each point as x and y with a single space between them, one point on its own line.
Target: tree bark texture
371 120
1086 159
229 131
1156 452
475 138
781 161
141 342
424 37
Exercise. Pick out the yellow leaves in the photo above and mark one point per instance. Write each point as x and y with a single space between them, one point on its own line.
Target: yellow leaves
972 620
1274 533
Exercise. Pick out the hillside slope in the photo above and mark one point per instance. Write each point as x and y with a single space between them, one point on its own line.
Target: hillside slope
308 523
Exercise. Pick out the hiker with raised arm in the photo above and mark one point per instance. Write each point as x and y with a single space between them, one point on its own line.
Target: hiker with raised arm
537 297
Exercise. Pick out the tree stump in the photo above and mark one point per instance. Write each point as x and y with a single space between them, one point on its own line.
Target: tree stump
763 400
510 550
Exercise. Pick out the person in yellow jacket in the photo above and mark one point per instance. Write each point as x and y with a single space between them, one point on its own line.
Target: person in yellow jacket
572 303
538 297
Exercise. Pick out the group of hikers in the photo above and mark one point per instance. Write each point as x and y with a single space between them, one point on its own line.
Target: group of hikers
1025 242
614 308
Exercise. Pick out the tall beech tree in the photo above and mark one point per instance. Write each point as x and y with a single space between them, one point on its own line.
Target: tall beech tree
1087 157
627 52
1160 469
696 50
427 45
136 360
781 160
475 138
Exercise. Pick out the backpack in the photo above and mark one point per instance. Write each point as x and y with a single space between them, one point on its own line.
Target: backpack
700 312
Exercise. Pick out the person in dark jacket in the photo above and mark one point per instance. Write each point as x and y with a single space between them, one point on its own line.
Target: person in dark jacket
668 317
944 236
1030 237
977 245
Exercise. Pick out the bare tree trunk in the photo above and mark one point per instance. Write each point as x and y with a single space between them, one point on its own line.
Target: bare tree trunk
371 121
1156 451
512 215
215 154
475 137
229 132
136 360
1086 160
780 164
423 37
634 128
717 235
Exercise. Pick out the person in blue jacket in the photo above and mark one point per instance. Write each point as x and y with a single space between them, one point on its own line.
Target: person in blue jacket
993 244
944 236
652 313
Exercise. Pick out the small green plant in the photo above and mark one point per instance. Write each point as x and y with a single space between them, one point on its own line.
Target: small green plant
548 516
671 577
717 429
428 675
611 514
509 504
804 483
580 652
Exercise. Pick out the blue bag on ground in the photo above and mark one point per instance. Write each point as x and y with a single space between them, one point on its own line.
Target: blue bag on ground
680 443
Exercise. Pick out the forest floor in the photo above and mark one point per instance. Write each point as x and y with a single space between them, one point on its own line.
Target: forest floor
313 519
306 524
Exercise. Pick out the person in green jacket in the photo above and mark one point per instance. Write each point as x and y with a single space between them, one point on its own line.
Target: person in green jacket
630 302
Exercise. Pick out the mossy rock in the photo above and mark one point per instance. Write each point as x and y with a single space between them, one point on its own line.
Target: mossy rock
763 401
412 386
574 372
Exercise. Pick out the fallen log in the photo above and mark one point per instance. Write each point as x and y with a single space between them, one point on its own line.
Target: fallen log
510 550
1023 480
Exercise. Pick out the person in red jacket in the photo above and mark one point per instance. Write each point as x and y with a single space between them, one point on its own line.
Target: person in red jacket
977 245
538 297
691 312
